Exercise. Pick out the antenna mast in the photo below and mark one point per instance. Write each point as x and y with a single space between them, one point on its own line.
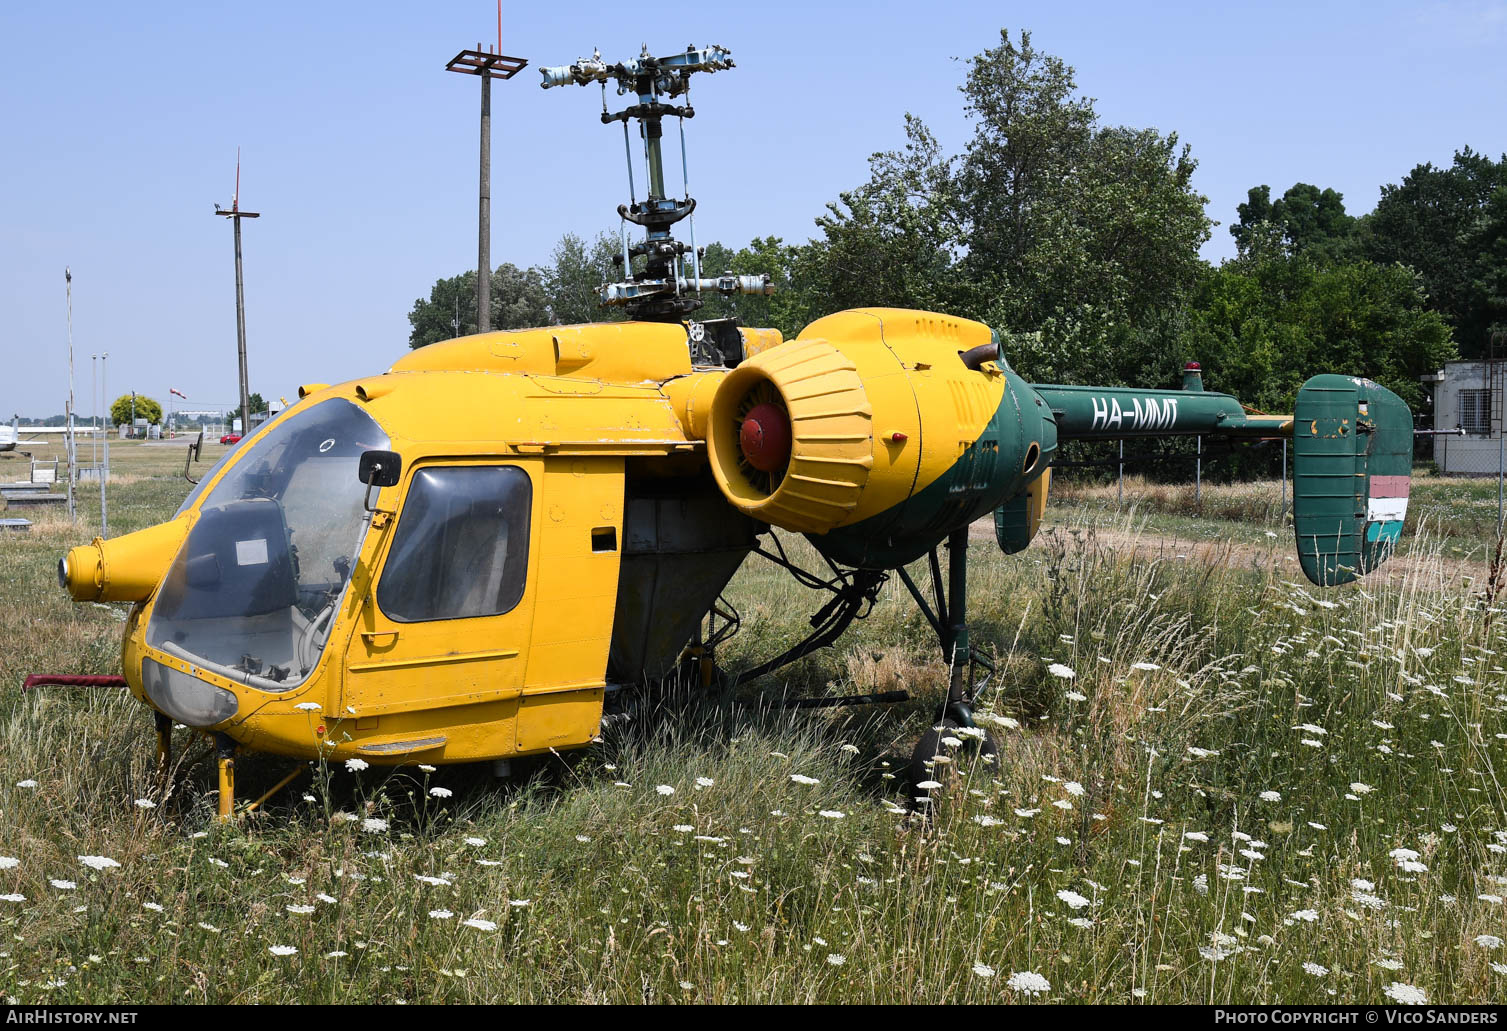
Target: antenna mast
662 292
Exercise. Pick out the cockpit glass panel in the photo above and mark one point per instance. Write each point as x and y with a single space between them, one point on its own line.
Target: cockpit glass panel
254 591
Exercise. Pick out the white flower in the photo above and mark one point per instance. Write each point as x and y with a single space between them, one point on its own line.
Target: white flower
983 970
372 825
1073 899
519 903
928 785
1315 969
97 862
12 897
281 950
441 792
1488 941
704 782
145 803
1076 696
1057 669
26 783
480 924
832 814
1029 982
803 779
1271 796
1361 789
665 789
300 910
9 862
63 885
476 842
836 959
1196 835
1072 787
337 954
356 765
440 914
1306 915
1146 667
308 706
1406 994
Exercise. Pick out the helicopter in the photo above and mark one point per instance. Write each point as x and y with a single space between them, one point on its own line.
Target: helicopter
473 555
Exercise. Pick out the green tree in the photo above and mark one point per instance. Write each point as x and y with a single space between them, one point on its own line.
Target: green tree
577 269
146 408
1433 221
257 403
1305 220
1260 328
1079 238
519 300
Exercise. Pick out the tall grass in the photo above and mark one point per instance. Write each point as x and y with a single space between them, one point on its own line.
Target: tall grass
1216 797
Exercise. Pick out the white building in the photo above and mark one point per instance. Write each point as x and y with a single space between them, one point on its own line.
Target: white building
1468 396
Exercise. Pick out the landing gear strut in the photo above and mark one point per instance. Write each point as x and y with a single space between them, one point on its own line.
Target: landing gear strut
954 718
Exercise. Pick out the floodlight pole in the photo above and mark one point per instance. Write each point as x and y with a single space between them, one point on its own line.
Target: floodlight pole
488 64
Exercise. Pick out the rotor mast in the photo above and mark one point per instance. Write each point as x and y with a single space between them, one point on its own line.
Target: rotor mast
663 291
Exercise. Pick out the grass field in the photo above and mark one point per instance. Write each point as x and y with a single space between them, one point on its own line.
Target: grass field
1233 788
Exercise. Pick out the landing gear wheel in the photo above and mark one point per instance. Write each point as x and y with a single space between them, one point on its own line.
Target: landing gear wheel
972 744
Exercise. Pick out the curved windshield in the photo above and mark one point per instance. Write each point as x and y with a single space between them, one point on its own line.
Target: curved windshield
253 592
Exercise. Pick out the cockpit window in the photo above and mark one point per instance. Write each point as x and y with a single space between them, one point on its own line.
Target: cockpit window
461 547
254 591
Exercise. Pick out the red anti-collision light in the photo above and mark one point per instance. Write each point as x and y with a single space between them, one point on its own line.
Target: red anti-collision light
765 438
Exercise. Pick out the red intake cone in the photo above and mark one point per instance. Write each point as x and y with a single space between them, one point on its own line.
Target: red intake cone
765 438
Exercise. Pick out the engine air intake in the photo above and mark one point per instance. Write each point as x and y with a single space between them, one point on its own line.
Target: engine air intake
790 436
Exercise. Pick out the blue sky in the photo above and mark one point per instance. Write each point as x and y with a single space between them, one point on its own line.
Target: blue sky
120 125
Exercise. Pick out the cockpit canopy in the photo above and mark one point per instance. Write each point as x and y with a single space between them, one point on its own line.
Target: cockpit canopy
254 590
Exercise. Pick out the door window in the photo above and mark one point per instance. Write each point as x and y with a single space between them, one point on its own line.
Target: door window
461 546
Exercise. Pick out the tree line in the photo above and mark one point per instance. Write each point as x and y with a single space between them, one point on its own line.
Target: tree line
1079 243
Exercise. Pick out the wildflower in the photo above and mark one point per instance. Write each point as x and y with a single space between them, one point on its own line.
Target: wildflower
1076 696
337 954
1057 669
1073 899
440 914
476 842
300 910
1361 789
803 779
1201 753
1488 941
12 897
983 970
1271 796
1073 788
356 765
308 706
97 862
519 903
372 825
1029 982
1146 667
704 782
145 803
1406 994
281 950
1063 803
441 792
928 785
832 814
665 789
1196 836
1315 969
9 862
26 783
479 924
1306 915
63 885
836 959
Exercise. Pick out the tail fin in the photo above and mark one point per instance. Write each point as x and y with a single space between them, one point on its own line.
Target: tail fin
1352 458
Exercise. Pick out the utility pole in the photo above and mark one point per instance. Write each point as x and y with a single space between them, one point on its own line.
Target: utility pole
488 64
104 471
235 214
72 448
